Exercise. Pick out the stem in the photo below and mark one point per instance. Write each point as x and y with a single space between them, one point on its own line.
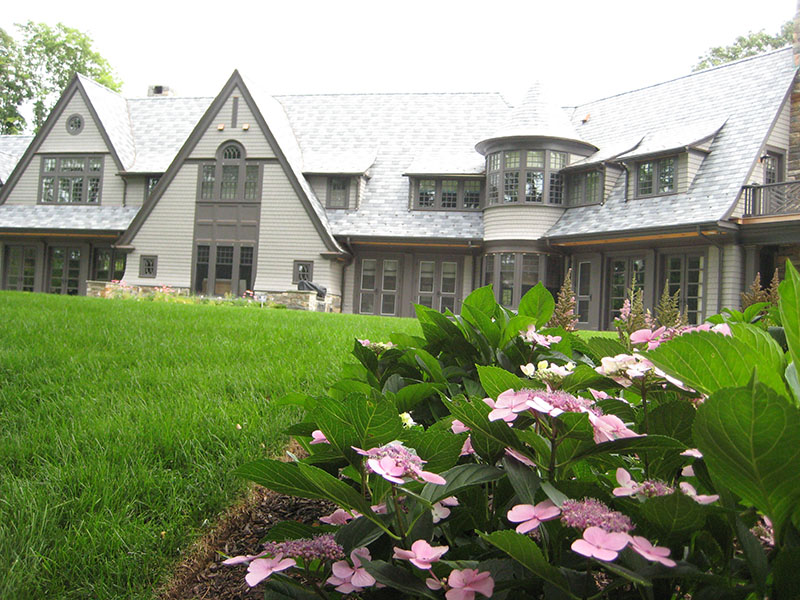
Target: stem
588 578
646 428
400 527
554 443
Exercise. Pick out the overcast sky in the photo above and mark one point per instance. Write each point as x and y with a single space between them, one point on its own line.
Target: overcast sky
582 50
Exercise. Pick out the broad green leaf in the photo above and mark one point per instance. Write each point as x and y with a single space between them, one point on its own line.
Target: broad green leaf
750 439
407 341
339 390
482 300
290 530
437 328
365 356
411 395
538 303
793 381
440 448
754 555
458 478
357 533
523 479
483 323
525 551
304 428
708 362
627 573
676 515
554 494
752 311
516 326
398 578
786 574
673 419
496 381
789 307
358 422
429 364
582 377
605 346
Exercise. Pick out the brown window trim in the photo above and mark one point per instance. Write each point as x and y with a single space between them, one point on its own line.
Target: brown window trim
437 196
143 268
296 270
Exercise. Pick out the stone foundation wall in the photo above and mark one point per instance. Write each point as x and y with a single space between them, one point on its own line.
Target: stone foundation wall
294 299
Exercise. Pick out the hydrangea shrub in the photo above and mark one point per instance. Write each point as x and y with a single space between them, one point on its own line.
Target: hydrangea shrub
495 457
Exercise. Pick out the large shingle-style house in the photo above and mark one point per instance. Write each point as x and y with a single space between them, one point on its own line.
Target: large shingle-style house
387 200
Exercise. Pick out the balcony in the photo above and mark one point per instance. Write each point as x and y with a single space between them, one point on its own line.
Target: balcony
772 200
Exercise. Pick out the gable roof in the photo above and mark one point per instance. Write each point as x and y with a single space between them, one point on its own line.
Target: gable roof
748 93
66 218
284 144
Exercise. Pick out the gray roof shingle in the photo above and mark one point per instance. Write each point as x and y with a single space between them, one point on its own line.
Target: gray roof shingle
12 147
61 217
748 93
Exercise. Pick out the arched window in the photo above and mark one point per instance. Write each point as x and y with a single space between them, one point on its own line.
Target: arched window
231 177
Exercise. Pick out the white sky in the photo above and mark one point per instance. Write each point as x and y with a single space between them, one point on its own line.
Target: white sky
582 50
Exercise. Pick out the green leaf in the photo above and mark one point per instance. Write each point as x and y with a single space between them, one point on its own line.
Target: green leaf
525 551
411 395
483 323
496 380
293 399
675 515
281 589
438 447
786 574
750 439
404 340
631 446
523 479
537 303
482 300
555 495
365 356
754 555
707 361
627 573
397 578
357 533
793 381
516 326
673 419
358 422
436 327
290 530
458 478
306 481
605 346
582 377
789 307
429 364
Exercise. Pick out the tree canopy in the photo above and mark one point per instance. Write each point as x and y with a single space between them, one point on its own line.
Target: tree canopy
746 45
36 66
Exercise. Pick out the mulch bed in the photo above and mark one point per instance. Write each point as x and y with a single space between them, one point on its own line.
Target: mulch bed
201 575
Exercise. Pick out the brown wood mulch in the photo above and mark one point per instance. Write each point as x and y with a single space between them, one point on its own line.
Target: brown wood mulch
201 574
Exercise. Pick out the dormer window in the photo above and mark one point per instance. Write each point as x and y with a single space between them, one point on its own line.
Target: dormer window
447 194
584 188
338 192
656 177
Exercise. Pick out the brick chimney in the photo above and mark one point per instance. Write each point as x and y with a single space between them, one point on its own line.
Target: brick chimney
163 90
793 165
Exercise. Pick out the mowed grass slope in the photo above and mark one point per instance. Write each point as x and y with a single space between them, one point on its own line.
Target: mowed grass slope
121 421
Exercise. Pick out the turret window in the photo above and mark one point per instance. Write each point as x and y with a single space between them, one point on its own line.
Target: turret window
527 176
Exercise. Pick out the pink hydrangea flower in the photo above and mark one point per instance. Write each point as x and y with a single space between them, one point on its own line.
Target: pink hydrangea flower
541 405
688 489
237 560
467 448
317 437
537 338
692 452
600 544
650 337
598 394
520 457
440 509
261 568
393 462
609 427
508 404
422 555
655 553
339 517
466 583
349 579
458 427
530 517
627 485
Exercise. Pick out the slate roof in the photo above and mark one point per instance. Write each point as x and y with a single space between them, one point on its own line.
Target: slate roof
402 127
66 217
747 94
12 147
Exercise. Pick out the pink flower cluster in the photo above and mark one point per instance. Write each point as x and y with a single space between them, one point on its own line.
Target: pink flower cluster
394 462
348 579
649 488
534 337
376 347
259 567
603 545
319 547
590 512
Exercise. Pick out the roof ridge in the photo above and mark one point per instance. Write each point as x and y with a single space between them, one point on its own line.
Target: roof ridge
389 94
686 76
83 77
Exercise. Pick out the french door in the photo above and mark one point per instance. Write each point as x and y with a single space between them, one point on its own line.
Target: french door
20 271
379 281
64 273
437 283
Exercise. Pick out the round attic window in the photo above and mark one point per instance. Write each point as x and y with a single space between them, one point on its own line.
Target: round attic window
75 124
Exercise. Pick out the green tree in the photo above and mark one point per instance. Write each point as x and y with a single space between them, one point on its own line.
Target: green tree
38 65
746 45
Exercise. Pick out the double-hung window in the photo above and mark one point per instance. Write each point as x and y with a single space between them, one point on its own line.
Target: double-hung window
71 179
584 188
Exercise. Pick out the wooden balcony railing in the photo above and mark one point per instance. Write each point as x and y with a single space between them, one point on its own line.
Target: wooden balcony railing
773 199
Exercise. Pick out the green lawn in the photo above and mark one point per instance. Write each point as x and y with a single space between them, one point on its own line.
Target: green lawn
120 422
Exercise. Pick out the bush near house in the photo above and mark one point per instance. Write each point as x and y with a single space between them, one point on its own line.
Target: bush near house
121 421
493 457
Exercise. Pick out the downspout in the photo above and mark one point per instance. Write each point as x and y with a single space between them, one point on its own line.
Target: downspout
344 267
627 180
124 191
721 262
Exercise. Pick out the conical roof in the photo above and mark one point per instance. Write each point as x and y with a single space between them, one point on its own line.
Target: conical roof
537 116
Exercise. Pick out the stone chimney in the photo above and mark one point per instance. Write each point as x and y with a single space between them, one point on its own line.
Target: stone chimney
793 164
163 90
